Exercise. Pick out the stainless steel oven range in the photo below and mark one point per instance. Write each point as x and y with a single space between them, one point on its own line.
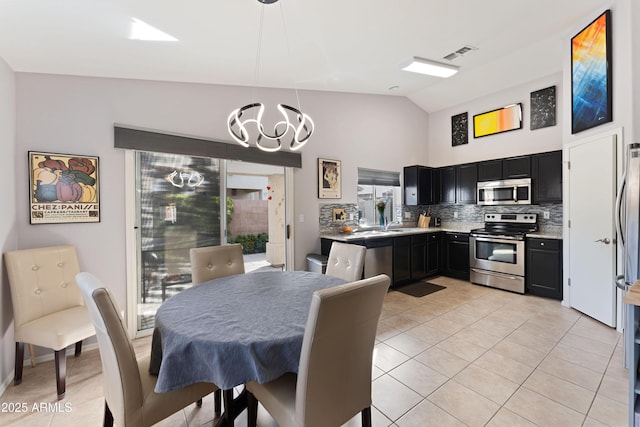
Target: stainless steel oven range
497 251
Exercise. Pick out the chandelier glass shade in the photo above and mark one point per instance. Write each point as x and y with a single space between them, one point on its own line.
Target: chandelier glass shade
246 123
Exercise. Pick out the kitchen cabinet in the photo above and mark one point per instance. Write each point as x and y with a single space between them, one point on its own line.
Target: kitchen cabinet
458 183
466 183
418 256
433 254
516 167
509 168
421 185
455 255
543 275
401 259
546 177
490 170
448 184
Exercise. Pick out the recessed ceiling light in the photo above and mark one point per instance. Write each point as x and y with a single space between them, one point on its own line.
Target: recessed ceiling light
431 68
140 30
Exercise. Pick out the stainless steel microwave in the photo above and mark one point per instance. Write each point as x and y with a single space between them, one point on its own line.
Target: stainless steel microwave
505 192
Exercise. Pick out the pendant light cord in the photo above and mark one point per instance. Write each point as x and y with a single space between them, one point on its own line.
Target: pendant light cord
286 40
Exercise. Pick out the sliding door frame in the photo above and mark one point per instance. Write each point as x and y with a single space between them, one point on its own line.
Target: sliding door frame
132 236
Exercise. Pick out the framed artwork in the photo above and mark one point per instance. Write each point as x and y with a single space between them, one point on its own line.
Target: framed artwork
543 108
63 188
460 129
497 121
591 91
329 179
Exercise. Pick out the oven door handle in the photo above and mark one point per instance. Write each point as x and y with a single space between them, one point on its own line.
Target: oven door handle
493 273
496 240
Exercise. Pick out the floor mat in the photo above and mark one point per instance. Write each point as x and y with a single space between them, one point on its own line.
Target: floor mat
419 289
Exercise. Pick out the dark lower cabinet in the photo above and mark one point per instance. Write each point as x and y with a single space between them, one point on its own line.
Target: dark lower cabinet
433 254
455 255
544 268
401 259
418 256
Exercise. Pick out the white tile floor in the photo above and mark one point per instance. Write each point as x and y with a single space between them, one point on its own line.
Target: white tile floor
465 355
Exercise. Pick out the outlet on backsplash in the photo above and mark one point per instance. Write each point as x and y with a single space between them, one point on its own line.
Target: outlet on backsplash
455 214
545 214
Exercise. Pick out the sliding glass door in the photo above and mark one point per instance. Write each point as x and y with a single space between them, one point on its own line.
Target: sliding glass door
179 206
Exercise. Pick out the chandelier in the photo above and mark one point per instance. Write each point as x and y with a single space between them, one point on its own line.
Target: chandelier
295 127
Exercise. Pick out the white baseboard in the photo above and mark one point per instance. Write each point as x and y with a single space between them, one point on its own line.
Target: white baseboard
44 358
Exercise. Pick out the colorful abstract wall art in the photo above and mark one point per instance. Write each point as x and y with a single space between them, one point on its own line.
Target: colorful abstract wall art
591 102
497 121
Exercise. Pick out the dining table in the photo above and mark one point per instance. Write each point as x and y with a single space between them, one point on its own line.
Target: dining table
233 330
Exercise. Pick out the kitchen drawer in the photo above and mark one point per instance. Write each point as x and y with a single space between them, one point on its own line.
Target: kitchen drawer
461 237
433 236
546 244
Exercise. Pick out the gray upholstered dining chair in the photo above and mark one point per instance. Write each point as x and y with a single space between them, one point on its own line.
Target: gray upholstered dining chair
346 261
212 262
128 386
48 309
329 388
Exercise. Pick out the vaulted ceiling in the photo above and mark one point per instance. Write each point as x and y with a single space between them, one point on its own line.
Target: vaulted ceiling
328 45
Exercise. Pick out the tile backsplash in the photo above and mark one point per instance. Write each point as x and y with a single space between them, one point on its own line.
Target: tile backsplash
465 213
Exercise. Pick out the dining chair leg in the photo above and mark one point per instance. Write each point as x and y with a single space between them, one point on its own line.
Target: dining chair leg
227 395
217 402
61 372
108 416
78 348
252 409
366 417
19 363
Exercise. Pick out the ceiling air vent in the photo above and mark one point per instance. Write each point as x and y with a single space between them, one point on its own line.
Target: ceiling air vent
460 52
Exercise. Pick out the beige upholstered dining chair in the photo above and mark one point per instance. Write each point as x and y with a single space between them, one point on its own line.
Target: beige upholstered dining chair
346 261
212 262
128 386
48 309
330 388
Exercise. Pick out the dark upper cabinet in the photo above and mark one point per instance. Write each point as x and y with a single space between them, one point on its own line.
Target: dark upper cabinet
490 170
516 167
421 185
466 183
448 184
510 168
546 177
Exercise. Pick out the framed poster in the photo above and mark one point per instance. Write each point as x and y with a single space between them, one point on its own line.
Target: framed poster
591 90
63 188
543 108
329 179
497 121
460 129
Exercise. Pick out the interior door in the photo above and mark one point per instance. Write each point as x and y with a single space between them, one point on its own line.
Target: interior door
592 248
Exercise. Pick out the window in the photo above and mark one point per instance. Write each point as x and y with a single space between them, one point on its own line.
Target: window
375 186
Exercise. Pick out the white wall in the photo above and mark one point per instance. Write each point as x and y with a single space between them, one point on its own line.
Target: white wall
8 234
75 115
506 144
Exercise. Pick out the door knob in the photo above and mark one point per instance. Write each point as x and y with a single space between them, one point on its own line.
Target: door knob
606 241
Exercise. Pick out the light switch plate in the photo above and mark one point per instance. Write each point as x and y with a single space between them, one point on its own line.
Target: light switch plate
407 215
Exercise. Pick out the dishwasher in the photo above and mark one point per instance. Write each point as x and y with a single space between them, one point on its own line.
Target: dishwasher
379 257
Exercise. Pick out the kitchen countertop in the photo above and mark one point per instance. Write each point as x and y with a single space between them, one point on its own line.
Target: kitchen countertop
458 227
550 232
632 296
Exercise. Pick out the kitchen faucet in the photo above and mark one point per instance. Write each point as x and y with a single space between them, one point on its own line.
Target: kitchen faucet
387 224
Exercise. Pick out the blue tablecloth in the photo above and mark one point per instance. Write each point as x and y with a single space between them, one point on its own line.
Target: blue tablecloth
233 330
